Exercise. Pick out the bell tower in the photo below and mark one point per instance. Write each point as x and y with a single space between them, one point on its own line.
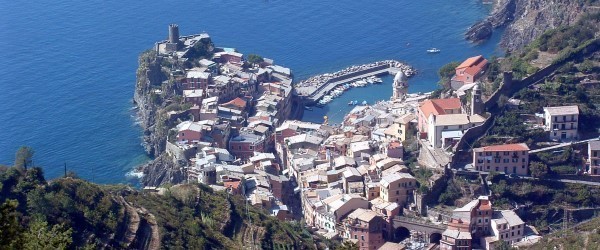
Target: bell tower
476 102
400 87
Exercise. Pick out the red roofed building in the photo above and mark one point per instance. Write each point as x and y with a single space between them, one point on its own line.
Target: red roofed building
237 104
436 107
507 158
469 71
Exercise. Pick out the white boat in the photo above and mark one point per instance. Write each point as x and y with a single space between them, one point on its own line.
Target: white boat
378 80
364 103
433 50
350 103
370 81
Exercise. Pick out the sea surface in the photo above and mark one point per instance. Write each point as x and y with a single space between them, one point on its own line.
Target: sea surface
68 67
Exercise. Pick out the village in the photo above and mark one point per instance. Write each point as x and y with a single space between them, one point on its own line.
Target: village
368 179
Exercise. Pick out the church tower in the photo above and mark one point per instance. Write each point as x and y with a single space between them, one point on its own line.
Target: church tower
400 88
476 102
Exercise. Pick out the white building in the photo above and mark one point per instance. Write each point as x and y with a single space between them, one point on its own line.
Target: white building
562 122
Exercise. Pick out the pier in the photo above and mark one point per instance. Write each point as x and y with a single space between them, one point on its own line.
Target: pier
314 88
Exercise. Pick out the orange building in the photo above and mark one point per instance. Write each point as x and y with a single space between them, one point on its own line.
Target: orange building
507 158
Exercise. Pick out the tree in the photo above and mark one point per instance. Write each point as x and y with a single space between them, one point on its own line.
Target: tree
10 228
503 245
446 72
24 157
41 236
254 59
538 169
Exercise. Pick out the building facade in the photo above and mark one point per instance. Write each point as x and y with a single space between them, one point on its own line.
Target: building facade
562 122
506 158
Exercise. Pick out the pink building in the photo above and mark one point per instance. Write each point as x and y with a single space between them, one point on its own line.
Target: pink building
244 145
365 226
507 158
469 71
229 57
189 132
196 80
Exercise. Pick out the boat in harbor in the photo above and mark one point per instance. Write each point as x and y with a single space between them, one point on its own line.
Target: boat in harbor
433 51
308 108
364 103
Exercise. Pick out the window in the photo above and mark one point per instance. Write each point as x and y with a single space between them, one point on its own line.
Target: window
506 153
515 160
480 161
518 232
445 127
488 153
505 160
497 160
362 237
356 237
182 134
251 148
512 234
481 153
397 192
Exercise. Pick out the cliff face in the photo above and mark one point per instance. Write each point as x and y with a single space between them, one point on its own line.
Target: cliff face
154 91
534 17
525 20
149 74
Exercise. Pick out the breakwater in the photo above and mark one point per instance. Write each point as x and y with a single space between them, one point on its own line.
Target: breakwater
314 88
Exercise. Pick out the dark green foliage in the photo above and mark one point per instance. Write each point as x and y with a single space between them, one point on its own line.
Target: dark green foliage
202 49
451 194
254 59
446 72
538 169
10 228
24 157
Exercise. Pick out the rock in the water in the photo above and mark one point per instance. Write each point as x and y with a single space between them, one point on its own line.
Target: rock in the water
480 31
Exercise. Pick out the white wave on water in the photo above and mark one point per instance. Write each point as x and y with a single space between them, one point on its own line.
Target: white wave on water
134 174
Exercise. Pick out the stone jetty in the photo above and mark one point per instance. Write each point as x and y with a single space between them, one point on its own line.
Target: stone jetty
314 88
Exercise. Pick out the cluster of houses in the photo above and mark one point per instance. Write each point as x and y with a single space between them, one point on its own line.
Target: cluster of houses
226 138
351 178
478 225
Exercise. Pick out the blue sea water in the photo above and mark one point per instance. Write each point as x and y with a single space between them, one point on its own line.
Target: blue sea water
68 67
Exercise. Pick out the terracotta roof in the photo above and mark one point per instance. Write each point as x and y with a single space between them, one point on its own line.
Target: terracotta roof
504 147
437 106
238 102
470 62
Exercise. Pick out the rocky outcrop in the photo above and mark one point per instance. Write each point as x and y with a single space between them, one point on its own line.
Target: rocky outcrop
534 17
162 170
481 31
149 74
503 12
525 20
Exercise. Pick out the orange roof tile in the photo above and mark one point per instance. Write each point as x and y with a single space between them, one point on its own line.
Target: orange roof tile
437 106
506 147
238 102
469 62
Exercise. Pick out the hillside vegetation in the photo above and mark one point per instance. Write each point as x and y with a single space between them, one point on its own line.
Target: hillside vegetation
70 213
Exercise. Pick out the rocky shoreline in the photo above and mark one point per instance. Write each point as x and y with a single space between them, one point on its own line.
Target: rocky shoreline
150 113
525 20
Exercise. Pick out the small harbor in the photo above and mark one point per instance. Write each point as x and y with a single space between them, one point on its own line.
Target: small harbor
322 89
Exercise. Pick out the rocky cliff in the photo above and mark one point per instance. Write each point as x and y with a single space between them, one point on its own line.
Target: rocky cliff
525 20
154 93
